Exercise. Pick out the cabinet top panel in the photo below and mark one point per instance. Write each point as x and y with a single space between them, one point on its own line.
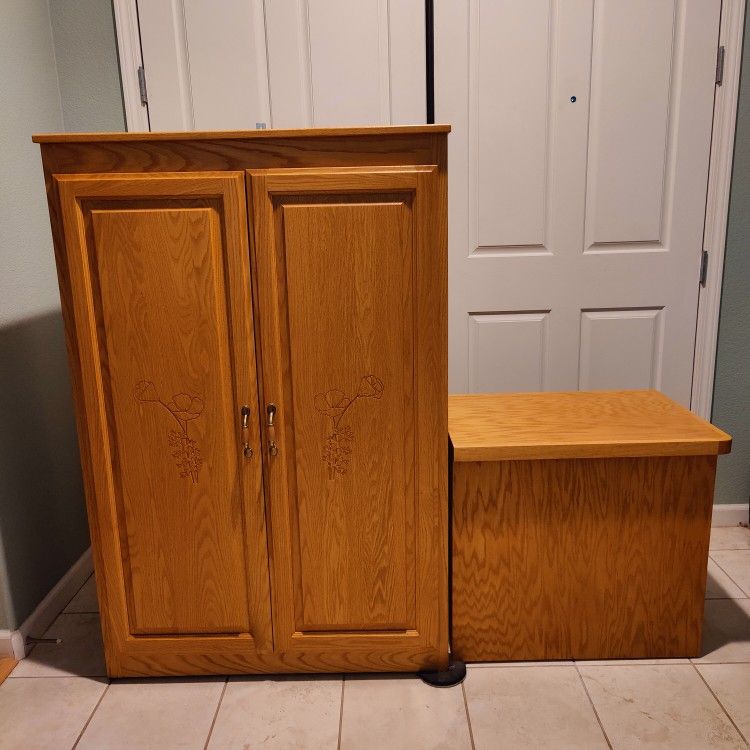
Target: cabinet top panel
191 135
594 424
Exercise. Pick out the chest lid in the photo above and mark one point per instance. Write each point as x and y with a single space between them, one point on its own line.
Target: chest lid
582 424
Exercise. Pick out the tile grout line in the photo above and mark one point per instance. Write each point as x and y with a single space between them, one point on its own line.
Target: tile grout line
728 549
468 717
696 663
679 662
593 707
58 675
80 588
721 705
63 611
516 665
341 711
718 565
216 713
91 716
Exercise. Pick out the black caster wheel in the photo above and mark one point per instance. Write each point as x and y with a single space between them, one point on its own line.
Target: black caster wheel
454 675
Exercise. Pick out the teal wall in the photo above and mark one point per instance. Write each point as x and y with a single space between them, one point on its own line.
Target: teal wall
731 405
87 67
45 51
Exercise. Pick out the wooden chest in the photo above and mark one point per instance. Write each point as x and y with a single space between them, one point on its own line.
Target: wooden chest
581 524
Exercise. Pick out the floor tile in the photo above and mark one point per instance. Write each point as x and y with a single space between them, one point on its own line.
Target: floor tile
660 707
719 585
736 564
504 664
726 631
628 662
46 714
279 712
729 537
154 715
80 652
85 600
402 713
731 685
538 707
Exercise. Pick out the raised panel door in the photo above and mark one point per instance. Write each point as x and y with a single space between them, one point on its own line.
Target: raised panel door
578 189
351 292
159 267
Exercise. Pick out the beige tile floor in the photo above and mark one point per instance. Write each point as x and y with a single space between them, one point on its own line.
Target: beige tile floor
59 698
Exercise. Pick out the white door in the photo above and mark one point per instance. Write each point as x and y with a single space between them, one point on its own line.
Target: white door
236 64
578 165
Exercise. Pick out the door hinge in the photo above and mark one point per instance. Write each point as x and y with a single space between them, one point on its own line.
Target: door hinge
720 65
704 268
142 85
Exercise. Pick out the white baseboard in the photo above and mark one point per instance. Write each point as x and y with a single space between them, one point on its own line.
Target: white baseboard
730 514
13 642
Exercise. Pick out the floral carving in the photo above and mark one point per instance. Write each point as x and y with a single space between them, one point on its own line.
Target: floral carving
184 408
334 404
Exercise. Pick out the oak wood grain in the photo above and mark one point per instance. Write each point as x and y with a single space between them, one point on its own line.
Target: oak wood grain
168 661
244 135
187 155
584 559
104 161
356 492
512 426
159 275
7 665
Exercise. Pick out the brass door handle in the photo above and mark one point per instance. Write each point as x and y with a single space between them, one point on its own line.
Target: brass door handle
273 449
247 451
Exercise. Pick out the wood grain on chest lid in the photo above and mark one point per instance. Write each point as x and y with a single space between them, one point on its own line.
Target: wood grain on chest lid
512 426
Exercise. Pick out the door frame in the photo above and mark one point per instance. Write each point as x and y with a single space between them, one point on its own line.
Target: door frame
129 56
719 176
731 33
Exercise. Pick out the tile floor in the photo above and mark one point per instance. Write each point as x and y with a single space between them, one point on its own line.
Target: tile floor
58 697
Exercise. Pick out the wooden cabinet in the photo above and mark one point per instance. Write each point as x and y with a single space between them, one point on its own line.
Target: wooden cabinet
257 330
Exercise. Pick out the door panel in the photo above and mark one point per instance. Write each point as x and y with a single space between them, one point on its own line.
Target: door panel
343 260
491 335
352 365
621 344
629 122
159 266
285 63
579 195
509 185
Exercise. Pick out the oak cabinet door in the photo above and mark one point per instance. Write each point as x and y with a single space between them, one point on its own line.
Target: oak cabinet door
351 292
159 267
